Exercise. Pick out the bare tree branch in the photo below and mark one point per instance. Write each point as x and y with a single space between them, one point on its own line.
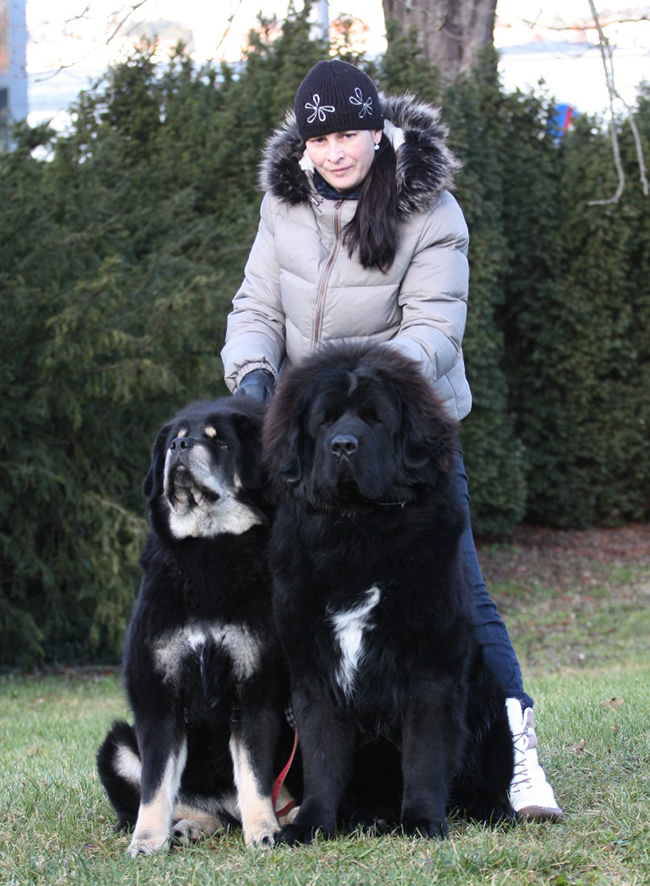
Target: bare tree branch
80 16
584 24
608 64
117 20
63 66
228 27
124 19
639 153
606 55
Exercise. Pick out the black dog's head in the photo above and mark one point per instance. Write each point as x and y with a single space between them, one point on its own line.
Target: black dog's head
205 477
355 426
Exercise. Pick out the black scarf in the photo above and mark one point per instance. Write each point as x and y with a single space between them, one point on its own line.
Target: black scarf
325 189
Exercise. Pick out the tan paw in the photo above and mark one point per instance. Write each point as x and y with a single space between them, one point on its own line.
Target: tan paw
147 843
262 833
188 831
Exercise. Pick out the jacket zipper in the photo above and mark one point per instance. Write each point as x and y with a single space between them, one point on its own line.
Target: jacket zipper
320 305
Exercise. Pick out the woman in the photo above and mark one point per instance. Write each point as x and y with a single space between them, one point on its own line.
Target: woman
360 238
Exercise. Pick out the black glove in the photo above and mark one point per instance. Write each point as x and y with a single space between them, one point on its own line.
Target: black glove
258 384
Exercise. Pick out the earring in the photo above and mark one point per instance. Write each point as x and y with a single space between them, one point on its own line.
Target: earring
377 146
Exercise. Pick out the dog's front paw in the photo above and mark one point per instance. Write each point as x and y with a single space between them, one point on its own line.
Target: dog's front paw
423 827
263 833
505 816
296 834
501 815
147 843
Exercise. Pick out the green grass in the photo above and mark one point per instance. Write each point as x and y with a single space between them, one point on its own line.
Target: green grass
598 621
593 717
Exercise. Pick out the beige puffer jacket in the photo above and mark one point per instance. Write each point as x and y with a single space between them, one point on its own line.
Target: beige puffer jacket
302 289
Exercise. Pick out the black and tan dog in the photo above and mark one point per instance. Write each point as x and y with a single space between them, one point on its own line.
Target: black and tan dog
202 665
397 715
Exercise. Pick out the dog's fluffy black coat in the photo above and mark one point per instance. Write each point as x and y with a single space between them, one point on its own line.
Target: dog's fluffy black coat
202 663
398 717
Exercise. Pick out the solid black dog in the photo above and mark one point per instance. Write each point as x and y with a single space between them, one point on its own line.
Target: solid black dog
398 718
202 664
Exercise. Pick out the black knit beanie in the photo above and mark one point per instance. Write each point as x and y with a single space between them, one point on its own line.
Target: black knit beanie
334 97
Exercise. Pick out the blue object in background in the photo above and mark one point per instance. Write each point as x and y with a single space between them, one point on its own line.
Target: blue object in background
561 119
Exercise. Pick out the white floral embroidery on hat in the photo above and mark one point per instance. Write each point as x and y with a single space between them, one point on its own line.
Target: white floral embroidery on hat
357 99
319 110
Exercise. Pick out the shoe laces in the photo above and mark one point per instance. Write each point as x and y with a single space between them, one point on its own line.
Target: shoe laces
523 741
521 776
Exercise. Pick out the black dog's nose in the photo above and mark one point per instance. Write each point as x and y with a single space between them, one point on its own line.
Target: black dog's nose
180 443
344 444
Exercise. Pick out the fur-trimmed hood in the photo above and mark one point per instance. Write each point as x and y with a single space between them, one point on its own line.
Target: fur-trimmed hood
425 165
303 287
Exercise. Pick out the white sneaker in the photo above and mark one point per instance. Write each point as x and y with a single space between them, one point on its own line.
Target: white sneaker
530 794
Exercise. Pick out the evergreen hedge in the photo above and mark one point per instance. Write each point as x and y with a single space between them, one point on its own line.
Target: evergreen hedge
577 327
119 257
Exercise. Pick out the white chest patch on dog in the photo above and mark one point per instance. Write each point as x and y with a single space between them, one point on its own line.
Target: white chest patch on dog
349 629
243 647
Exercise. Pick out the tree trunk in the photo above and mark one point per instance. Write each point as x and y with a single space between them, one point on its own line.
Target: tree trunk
451 31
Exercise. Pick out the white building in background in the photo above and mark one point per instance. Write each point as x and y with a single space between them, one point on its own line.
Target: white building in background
13 67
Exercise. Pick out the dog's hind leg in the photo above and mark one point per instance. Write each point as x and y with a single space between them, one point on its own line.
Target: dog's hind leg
160 783
480 790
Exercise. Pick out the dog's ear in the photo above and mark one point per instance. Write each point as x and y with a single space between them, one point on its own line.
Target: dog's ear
290 470
249 433
154 482
415 454
429 436
283 445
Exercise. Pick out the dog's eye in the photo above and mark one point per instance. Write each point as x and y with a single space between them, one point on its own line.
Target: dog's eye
370 417
213 435
318 425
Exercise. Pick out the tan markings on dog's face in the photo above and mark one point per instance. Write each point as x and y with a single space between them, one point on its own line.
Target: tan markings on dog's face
200 516
182 432
210 431
258 820
152 829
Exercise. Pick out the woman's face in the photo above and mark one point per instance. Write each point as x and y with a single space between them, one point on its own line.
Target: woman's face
344 158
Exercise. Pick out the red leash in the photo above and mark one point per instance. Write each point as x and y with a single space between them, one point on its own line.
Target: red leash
277 787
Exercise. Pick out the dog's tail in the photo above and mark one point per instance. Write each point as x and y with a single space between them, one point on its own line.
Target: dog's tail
120 771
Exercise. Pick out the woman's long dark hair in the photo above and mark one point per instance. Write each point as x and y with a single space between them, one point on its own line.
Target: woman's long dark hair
372 232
